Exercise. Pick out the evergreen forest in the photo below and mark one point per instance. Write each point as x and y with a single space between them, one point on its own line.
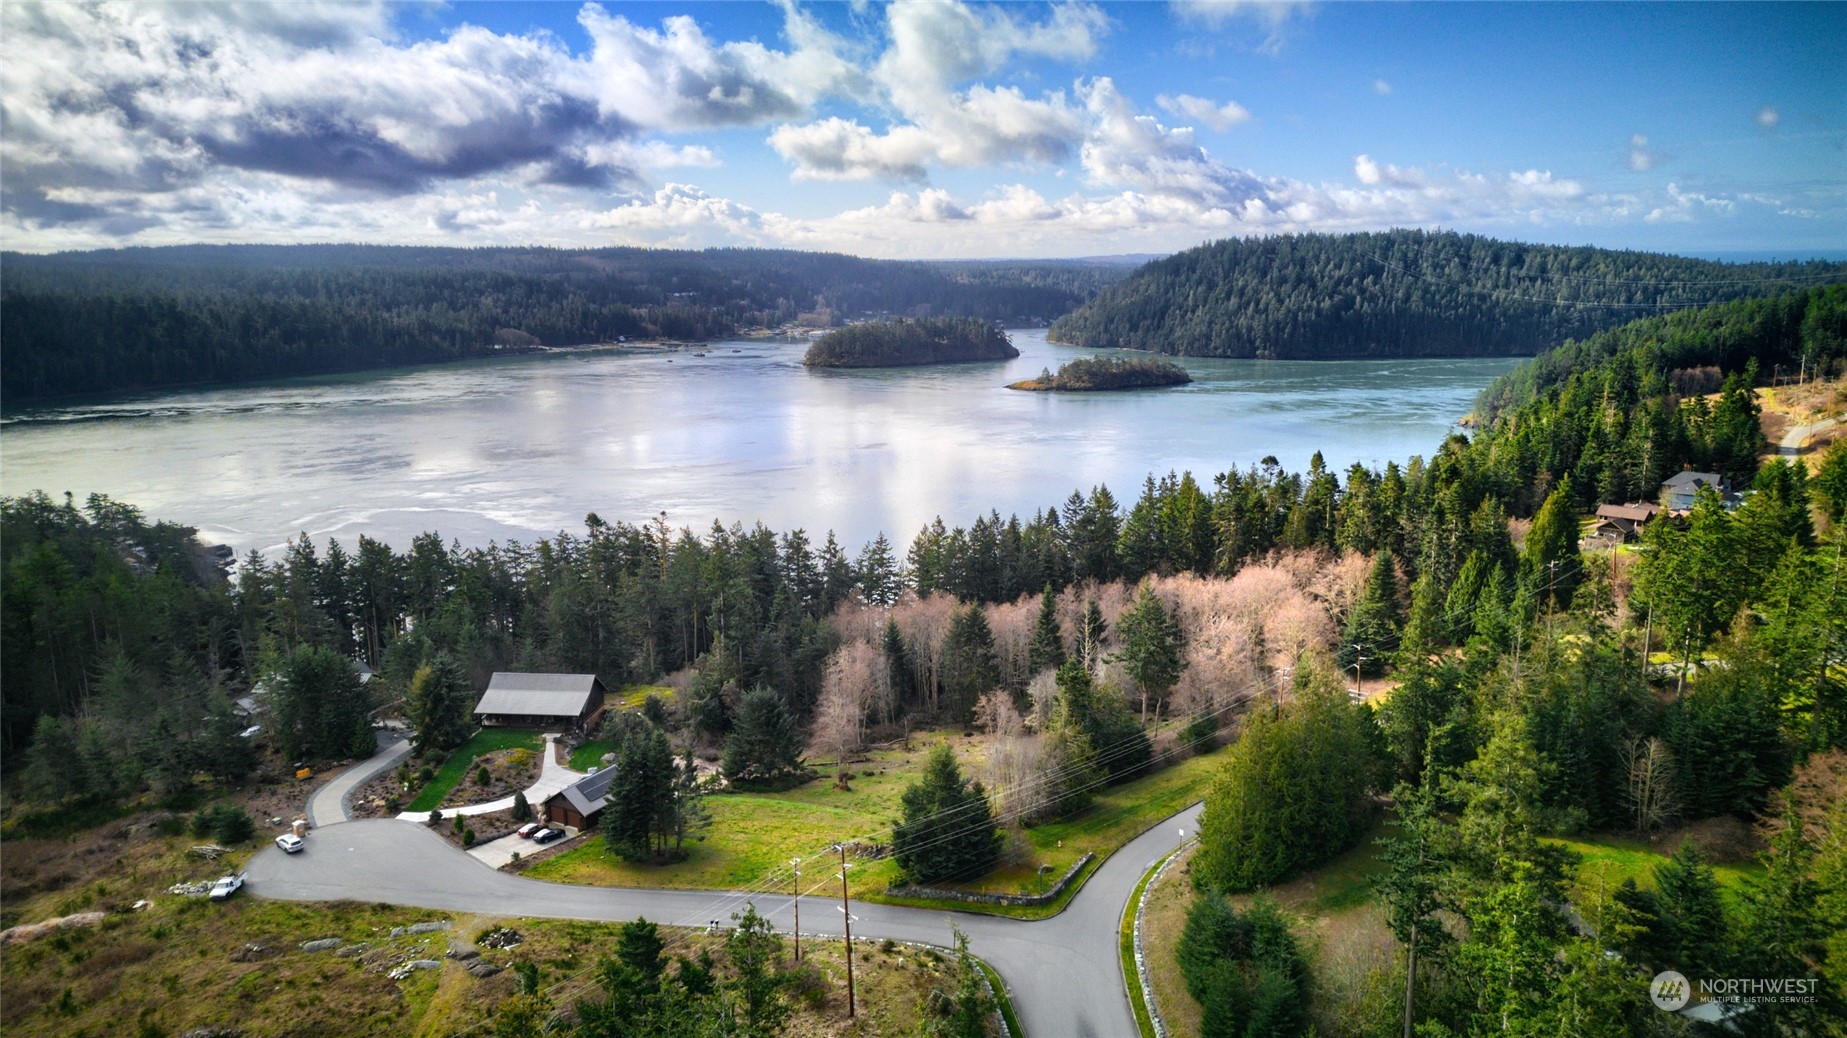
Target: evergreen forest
148 318
1401 294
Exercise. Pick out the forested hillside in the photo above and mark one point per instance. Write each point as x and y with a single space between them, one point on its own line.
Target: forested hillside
148 318
1401 294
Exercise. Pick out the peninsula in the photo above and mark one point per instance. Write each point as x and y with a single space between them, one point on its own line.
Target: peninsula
905 342
1096 374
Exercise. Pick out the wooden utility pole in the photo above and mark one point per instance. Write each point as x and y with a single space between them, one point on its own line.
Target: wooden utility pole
1647 634
796 863
846 919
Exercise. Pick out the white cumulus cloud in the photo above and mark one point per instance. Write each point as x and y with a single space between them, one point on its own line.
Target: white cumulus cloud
1214 116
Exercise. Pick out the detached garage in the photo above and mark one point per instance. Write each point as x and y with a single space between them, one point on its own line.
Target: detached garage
580 803
547 701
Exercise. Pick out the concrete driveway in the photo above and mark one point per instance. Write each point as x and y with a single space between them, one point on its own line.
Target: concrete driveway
1063 972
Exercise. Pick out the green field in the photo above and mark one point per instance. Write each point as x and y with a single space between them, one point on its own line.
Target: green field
754 835
590 754
462 759
1619 858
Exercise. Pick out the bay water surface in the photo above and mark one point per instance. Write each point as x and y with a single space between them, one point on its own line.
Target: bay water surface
520 448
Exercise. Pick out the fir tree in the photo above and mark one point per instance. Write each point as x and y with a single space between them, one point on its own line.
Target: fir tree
1047 651
765 744
948 831
1372 625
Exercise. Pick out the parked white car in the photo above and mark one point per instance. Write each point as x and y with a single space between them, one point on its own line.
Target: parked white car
226 886
290 842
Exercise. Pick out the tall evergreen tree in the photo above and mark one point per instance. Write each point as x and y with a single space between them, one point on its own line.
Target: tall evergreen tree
765 745
1152 644
948 831
1550 565
640 813
969 666
1371 634
440 704
1047 650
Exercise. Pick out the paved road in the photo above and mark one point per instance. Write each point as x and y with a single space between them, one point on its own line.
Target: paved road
1064 972
328 804
1794 439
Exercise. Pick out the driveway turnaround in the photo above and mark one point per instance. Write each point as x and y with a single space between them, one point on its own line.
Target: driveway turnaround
328 805
1064 973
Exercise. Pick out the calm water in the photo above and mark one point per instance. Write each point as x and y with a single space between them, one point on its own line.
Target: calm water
525 447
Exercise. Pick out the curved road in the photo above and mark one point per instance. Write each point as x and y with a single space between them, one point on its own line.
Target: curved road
1064 973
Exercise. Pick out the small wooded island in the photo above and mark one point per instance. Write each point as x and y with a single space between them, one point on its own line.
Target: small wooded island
1094 374
898 343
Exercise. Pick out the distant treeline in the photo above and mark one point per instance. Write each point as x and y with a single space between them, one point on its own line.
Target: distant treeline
1402 294
925 340
139 319
1089 374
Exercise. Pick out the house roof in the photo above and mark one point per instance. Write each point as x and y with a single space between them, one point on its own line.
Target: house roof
590 793
1693 480
538 695
1635 513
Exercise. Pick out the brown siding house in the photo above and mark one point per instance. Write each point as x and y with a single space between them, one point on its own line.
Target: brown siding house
550 701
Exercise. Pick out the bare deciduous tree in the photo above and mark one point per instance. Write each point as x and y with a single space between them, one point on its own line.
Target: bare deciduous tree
1651 785
848 687
923 623
1012 625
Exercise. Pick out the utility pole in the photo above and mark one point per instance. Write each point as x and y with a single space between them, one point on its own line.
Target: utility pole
846 918
796 864
1647 634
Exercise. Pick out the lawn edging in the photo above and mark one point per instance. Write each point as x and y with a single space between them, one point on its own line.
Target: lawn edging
1134 959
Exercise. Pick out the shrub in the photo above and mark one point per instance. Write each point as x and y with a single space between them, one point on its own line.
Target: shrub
522 811
226 823
1202 736
482 777
468 837
435 816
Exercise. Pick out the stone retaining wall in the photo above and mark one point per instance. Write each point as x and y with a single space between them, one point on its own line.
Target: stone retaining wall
1015 900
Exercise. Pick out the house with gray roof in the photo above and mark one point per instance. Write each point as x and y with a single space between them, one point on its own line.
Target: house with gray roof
1678 492
579 803
547 701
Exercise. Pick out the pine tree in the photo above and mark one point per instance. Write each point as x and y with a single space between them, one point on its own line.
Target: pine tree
948 831
1151 647
1412 884
969 1006
969 666
639 815
765 745
440 704
1372 624
1047 650
1550 565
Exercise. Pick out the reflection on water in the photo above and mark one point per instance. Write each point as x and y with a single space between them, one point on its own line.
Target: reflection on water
521 448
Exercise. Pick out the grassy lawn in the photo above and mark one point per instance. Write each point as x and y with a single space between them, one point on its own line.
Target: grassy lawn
631 697
1619 858
590 754
461 761
754 835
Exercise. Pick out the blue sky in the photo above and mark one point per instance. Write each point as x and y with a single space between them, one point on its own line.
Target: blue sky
923 130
